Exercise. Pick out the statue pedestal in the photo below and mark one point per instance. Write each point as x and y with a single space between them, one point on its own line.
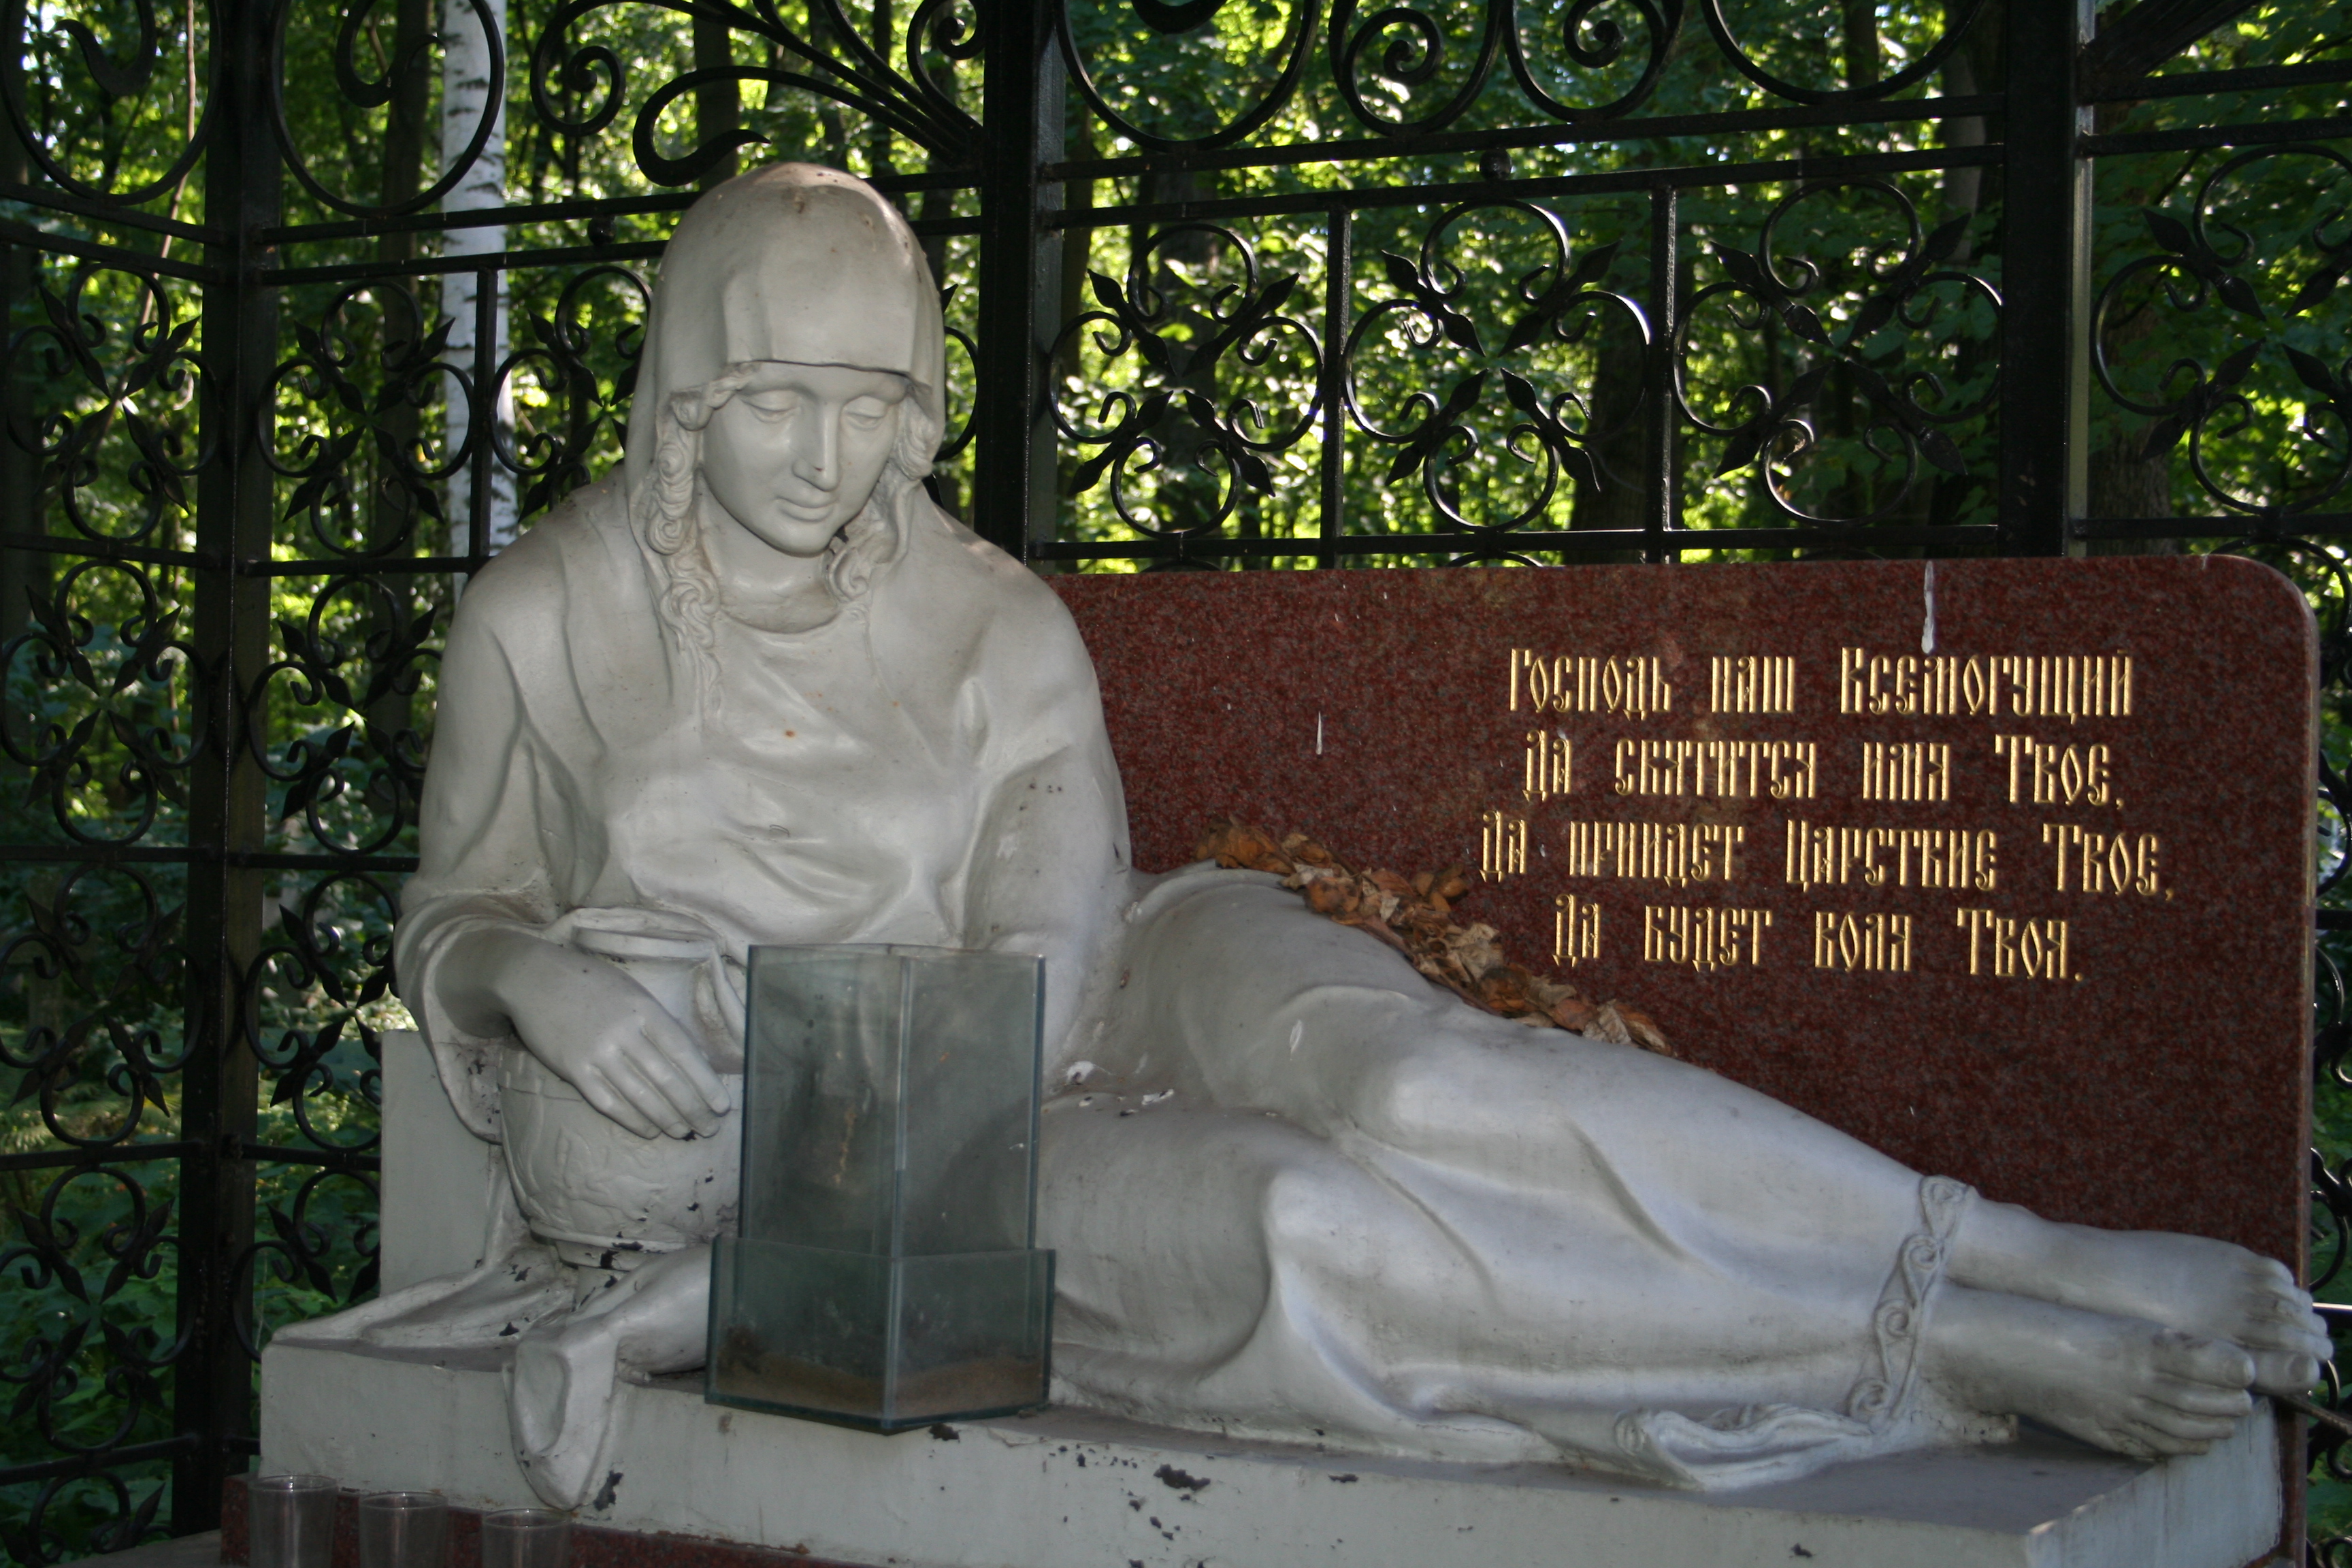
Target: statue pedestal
1064 1489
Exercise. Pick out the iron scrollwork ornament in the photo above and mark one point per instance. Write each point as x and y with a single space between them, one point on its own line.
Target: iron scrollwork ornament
1181 418
1863 349
1554 304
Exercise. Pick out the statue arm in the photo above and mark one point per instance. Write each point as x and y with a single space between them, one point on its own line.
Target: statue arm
1048 869
478 871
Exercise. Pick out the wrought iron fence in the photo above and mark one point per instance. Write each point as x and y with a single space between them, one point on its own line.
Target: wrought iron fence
309 311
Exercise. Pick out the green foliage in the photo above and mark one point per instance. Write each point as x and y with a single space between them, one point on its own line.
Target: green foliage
1496 370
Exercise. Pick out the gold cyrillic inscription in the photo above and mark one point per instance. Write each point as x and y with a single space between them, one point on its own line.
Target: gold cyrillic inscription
2104 862
1904 857
1750 684
1573 683
1548 766
1678 852
1906 770
1575 930
1502 845
1703 938
1781 769
2052 774
1871 941
2028 686
2021 949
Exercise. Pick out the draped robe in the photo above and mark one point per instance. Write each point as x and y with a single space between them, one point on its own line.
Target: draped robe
1298 1191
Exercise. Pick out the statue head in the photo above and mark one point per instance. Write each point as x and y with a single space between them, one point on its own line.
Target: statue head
792 367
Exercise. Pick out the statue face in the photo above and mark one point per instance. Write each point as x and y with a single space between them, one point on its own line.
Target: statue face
793 456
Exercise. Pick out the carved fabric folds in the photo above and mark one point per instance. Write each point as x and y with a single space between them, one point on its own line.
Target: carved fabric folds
1300 1192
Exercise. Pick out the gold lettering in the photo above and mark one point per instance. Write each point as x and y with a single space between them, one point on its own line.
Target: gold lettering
1633 686
1704 938
1878 943
1547 770
1502 845
1906 770
1748 683
1815 856
2023 949
1678 852
2113 863
1575 930
2072 686
1723 770
2053 775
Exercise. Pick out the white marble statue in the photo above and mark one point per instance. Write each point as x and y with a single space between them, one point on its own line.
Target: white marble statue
757 688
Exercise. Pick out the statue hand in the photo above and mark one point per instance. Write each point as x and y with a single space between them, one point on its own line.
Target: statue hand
605 1036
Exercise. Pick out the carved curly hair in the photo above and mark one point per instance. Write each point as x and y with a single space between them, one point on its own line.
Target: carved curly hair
667 517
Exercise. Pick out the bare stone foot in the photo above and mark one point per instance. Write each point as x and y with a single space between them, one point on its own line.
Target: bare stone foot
560 1391
2206 1288
568 1369
2120 1383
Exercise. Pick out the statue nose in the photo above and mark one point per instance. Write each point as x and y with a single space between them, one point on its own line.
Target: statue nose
812 452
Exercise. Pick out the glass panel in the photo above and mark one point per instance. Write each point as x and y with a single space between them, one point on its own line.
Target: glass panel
973 1034
891 1099
879 1343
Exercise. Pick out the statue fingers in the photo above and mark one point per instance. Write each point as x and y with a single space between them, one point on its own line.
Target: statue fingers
704 1098
685 1108
2285 1371
595 1086
630 1078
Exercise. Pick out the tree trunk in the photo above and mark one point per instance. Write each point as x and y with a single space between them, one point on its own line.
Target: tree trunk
1858 41
466 94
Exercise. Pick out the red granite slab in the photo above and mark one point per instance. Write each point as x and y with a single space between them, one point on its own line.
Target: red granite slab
592 1546
2158 1080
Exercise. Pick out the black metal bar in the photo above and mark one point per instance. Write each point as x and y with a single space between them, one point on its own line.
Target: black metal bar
2045 230
350 1159
358 565
1372 149
568 212
1022 128
482 419
2147 35
1663 506
102 854
141 261
213 1385
187 1446
208 855
109 550
1338 314
2285 525
2199 84
50 199
2190 139
1678 541
113 1155
1620 182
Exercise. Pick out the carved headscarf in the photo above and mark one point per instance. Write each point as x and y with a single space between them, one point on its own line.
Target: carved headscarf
791 263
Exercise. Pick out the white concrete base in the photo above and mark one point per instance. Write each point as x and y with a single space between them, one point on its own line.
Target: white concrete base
1066 1491
437 1178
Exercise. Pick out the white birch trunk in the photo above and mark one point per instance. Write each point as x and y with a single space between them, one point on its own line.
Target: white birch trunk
467 93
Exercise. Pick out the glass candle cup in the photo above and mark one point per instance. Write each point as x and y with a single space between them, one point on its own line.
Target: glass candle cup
526 1538
291 1521
404 1529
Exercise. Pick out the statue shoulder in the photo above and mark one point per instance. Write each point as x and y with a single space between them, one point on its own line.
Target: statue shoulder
978 595
582 549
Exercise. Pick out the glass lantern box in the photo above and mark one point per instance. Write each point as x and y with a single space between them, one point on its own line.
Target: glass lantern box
882 1274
